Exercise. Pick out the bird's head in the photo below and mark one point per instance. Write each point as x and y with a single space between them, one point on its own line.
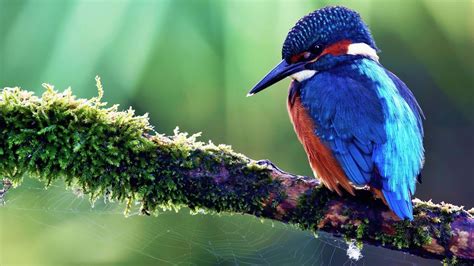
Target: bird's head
317 41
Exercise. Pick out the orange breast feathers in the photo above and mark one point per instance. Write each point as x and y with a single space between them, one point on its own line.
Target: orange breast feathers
320 157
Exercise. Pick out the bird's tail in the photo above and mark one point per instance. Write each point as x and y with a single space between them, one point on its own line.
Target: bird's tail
402 207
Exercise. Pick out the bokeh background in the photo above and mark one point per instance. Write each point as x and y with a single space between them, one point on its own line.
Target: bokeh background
190 64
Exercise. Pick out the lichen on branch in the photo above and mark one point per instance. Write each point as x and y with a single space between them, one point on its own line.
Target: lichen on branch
117 155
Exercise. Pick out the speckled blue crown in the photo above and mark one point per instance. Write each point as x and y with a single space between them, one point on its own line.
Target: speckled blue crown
326 26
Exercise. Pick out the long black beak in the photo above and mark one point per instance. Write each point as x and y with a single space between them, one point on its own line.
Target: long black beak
281 71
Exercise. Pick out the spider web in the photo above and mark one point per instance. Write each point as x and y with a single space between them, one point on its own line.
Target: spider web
55 225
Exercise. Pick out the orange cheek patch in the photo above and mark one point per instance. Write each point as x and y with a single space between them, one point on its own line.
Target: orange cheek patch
296 58
338 48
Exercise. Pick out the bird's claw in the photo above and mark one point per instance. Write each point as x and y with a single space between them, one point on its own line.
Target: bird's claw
269 164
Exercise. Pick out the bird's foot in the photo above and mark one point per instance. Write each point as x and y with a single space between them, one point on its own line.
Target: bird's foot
271 165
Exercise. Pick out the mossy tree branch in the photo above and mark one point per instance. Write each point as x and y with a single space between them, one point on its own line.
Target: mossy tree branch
117 155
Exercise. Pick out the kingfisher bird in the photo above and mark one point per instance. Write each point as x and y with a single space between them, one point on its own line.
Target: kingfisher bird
359 124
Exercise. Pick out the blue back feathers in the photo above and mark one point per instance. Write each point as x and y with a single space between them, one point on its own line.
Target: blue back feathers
326 26
372 124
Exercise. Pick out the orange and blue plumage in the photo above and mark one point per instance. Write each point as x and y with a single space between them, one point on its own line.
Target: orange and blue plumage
358 122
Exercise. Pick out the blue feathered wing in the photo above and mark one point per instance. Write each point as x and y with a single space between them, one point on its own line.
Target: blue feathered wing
353 117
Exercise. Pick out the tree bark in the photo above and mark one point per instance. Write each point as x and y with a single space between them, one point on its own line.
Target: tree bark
117 155
439 231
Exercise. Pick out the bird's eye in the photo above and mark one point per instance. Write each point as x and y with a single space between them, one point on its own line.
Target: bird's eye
316 49
309 55
312 53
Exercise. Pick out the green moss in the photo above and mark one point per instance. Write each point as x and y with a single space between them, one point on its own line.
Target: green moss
450 261
400 239
311 208
362 229
106 152
407 234
441 215
357 231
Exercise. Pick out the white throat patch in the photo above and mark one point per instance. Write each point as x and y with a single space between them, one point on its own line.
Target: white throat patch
362 49
303 75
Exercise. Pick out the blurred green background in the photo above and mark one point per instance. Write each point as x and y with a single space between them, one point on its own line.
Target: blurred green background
190 64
